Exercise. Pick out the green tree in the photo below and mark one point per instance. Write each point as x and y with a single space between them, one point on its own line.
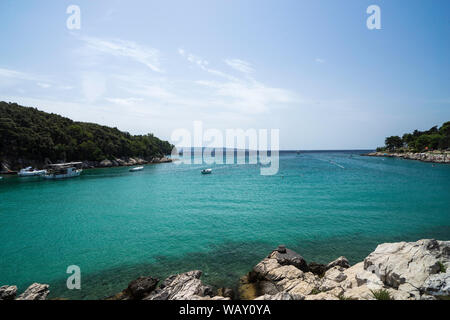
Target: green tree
394 142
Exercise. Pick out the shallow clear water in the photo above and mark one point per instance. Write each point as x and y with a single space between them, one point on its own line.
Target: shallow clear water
169 218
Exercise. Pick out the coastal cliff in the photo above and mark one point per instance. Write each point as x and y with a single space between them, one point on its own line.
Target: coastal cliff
435 157
394 271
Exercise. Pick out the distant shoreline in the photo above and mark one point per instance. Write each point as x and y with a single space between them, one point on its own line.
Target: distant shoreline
7 168
434 157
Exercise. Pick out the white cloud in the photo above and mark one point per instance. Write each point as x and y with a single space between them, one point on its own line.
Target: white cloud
242 94
44 85
9 76
239 65
152 91
319 60
203 64
124 101
250 97
129 49
13 74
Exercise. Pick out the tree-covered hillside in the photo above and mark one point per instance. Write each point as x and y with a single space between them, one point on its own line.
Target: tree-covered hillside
419 141
28 133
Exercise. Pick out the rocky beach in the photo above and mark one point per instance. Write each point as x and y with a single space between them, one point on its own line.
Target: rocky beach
10 166
394 271
435 157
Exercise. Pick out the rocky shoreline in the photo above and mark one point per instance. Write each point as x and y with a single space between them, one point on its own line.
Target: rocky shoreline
394 271
9 167
435 157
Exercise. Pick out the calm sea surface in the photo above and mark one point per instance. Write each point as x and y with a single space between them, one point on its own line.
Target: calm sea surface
169 218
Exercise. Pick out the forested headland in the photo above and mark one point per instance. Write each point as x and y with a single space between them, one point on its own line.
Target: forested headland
436 138
28 133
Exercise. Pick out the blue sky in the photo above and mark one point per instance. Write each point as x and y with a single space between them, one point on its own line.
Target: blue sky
309 68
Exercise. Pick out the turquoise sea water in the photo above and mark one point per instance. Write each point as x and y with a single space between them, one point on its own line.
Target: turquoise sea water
169 218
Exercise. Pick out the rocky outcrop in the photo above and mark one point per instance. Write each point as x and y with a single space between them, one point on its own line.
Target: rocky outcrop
36 291
8 292
226 293
127 162
11 166
414 270
106 163
399 271
161 160
436 157
318 269
185 286
142 286
340 262
288 257
408 263
437 284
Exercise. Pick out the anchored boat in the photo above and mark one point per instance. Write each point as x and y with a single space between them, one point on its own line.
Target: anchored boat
30 172
207 171
64 170
136 169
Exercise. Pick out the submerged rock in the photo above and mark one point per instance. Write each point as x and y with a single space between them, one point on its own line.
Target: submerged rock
36 291
141 287
8 292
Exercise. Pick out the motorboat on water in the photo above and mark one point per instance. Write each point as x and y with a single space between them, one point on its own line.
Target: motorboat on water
135 169
206 171
30 172
64 170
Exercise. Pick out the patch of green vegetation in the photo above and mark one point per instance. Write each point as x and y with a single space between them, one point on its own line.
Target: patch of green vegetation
381 294
442 268
31 134
342 297
418 141
315 291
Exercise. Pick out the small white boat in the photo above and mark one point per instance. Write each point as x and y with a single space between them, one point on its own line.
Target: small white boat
207 171
64 171
136 169
30 172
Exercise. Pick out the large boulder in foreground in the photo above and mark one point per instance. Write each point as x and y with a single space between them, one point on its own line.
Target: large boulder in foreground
287 257
36 291
408 262
398 271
